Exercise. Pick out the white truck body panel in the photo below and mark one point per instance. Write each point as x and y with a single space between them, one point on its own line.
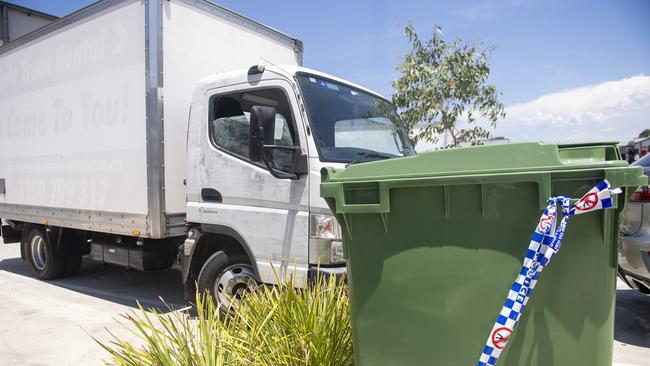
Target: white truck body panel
94 109
72 116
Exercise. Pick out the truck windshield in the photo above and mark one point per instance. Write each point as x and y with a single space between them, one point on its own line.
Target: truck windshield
350 125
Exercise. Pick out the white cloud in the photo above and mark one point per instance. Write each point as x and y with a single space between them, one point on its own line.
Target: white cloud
613 110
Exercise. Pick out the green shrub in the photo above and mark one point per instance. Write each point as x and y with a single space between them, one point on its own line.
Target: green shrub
273 326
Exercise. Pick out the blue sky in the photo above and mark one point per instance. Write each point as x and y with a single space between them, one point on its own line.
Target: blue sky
575 70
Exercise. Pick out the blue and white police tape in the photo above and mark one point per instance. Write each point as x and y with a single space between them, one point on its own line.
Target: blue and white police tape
546 242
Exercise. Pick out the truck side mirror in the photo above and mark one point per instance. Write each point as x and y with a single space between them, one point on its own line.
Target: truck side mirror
259 119
262 144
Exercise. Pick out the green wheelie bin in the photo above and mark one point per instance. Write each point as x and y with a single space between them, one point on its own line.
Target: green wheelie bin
434 242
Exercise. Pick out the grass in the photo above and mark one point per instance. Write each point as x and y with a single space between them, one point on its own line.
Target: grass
273 326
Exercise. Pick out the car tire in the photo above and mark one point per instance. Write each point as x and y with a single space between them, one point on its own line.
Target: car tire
226 277
47 263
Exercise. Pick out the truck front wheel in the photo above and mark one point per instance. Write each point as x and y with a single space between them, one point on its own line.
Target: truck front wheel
46 263
227 277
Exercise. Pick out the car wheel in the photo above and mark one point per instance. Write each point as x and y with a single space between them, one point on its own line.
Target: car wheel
227 277
44 259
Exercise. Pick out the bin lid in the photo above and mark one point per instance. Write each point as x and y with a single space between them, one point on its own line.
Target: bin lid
485 164
501 158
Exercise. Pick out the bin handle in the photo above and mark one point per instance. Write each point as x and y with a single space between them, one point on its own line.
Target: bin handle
337 191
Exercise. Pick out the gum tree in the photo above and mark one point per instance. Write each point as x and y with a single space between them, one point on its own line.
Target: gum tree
442 86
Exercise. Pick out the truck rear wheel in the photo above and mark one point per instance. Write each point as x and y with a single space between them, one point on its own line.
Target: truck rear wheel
227 277
46 263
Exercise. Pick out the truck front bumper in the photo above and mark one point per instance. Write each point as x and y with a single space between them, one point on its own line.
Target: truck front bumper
326 272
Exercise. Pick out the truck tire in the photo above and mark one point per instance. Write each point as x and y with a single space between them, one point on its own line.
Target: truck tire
227 277
44 259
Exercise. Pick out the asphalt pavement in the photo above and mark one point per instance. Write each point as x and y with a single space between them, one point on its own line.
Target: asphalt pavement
54 322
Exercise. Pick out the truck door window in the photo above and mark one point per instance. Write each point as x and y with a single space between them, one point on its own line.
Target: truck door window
230 118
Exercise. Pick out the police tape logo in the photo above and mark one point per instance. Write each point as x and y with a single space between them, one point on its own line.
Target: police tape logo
587 202
500 337
546 222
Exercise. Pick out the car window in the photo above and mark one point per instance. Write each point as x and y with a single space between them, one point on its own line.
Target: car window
230 121
644 161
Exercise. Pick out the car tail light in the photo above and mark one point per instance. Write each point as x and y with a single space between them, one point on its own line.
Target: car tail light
641 194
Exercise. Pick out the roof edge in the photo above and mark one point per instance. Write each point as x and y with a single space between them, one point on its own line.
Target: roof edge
104 4
208 3
58 24
28 10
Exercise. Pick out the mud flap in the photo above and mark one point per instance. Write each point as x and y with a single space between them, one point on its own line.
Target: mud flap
10 235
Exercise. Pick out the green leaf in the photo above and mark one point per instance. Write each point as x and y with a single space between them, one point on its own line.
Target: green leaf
441 82
273 326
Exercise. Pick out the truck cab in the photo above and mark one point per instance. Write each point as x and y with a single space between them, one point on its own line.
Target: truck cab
257 141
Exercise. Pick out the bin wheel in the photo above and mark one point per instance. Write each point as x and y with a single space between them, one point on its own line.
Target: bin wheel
44 259
227 277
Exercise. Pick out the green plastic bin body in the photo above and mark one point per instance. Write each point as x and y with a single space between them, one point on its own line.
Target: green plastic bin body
434 242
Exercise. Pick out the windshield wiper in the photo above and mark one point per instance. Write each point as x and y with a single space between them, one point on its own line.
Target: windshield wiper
365 156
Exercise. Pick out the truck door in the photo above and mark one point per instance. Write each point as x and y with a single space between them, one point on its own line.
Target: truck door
238 193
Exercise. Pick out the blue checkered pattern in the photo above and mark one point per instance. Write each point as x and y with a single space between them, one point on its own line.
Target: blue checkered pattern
545 243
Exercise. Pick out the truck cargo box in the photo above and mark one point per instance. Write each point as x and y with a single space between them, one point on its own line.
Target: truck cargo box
94 109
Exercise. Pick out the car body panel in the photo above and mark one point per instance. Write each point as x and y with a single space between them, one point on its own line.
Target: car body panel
634 243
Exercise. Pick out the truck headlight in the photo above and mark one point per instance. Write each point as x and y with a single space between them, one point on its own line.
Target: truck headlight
325 244
324 227
337 255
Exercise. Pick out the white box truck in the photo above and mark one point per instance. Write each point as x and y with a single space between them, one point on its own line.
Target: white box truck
147 131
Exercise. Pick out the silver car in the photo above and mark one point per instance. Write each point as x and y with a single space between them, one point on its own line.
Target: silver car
634 243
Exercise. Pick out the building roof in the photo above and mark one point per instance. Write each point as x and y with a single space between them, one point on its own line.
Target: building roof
27 10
